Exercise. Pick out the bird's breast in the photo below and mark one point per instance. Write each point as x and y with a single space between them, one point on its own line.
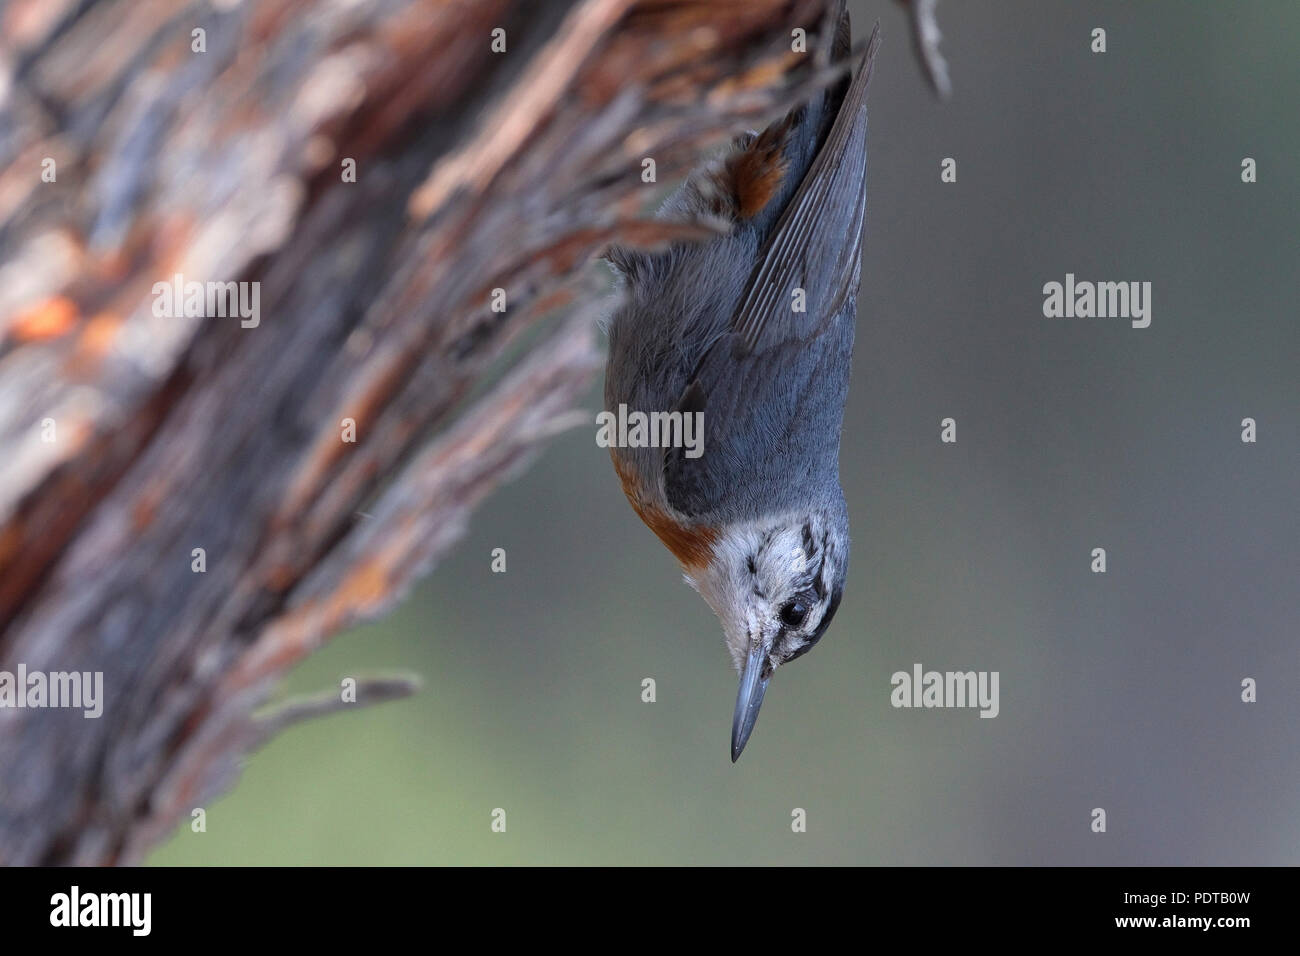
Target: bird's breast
690 543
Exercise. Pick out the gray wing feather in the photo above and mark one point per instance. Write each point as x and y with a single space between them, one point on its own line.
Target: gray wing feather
772 388
817 243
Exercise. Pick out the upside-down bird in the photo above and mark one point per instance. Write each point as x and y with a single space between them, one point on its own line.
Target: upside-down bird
753 331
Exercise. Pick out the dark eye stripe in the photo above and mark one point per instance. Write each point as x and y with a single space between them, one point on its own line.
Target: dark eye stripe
825 571
826 618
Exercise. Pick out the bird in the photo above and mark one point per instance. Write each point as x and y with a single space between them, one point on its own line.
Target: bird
752 332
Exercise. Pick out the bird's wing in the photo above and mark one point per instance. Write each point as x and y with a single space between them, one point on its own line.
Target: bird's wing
816 245
771 390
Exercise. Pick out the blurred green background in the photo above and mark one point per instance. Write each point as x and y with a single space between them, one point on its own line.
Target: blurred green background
1119 691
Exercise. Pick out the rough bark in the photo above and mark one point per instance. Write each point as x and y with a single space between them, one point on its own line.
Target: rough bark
476 171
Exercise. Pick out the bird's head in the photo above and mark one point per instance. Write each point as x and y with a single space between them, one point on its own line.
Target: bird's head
775 585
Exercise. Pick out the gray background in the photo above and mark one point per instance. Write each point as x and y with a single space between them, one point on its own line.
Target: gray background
1119 691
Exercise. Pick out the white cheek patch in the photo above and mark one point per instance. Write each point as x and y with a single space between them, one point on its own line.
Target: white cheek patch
781 559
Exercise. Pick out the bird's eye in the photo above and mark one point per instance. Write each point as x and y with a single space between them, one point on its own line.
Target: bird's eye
793 614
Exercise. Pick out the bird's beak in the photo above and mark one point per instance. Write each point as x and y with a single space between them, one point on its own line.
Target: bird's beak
750 697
